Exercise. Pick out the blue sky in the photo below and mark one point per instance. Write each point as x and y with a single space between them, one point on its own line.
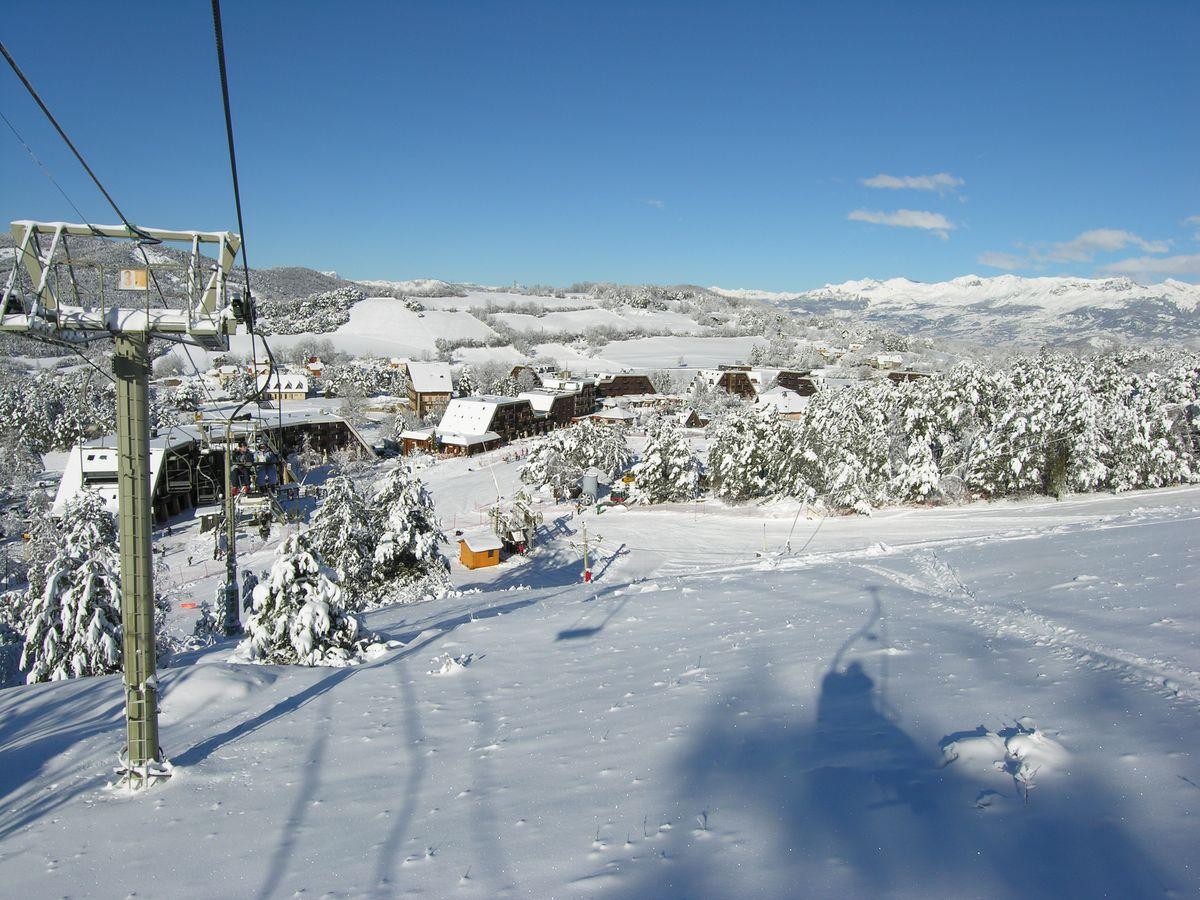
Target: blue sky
735 144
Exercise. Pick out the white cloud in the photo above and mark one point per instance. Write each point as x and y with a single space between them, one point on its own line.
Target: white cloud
1002 260
941 182
657 204
906 218
1148 267
1084 247
1193 220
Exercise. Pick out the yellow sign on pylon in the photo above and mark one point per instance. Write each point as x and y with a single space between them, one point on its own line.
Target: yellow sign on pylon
134 279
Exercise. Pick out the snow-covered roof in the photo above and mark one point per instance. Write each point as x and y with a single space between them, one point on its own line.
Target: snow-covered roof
430 377
542 400
286 382
98 457
783 400
615 414
416 434
567 384
469 415
467 440
481 541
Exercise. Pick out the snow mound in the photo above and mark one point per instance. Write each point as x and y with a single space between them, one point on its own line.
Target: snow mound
445 664
1023 755
211 687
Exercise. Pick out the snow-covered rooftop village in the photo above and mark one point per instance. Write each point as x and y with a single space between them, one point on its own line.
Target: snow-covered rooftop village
319 585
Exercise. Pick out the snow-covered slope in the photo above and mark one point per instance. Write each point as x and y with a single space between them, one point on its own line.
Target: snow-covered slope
853 720
1007 306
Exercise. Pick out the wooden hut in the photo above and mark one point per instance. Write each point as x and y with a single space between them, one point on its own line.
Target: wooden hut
476 551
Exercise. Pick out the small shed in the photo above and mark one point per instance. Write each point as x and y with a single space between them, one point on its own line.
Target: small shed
475 551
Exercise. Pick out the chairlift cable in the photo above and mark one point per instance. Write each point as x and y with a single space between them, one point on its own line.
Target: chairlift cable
79 156
45 169
252 325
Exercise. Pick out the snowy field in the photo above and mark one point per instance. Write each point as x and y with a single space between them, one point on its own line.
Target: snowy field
1001 699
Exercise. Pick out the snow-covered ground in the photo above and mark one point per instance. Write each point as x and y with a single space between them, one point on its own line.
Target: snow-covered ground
995 699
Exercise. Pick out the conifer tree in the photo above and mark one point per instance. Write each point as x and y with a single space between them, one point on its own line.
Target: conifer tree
75 623
344 533
668 471
466 383
299 617
410 536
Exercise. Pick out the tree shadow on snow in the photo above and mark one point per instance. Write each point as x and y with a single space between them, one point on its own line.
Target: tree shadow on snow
857 806
38 741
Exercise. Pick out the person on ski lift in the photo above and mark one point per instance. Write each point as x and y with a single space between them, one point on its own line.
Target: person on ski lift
267 464
243 466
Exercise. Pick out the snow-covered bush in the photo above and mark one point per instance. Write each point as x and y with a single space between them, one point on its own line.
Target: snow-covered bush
299 617
74 626
410 536
668 470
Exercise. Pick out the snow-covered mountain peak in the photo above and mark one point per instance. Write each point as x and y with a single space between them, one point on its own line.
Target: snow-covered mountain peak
1011 307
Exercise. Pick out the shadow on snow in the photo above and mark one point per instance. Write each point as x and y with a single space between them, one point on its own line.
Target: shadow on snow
856 806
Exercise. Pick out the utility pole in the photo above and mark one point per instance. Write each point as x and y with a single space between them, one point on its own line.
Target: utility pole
587 570
131 365
231 621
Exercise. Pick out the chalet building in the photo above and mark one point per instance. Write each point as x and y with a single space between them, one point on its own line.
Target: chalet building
734 381
225 373
900 376
584 390
623 384
803 383
886 361
614 415
558 407
785 403
277 385
474 424
184 473
692 418
429 387
314 367
414 439
475 551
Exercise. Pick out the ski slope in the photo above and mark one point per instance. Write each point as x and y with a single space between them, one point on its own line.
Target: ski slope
706 719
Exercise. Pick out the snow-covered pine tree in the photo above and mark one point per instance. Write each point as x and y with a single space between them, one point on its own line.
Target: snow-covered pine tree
604 446
668 471
743 457
345 535
299 617
466 383
548 465
410 536
188 396
18 464
75 623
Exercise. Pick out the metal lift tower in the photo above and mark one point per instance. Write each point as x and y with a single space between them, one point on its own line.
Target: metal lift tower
31 305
